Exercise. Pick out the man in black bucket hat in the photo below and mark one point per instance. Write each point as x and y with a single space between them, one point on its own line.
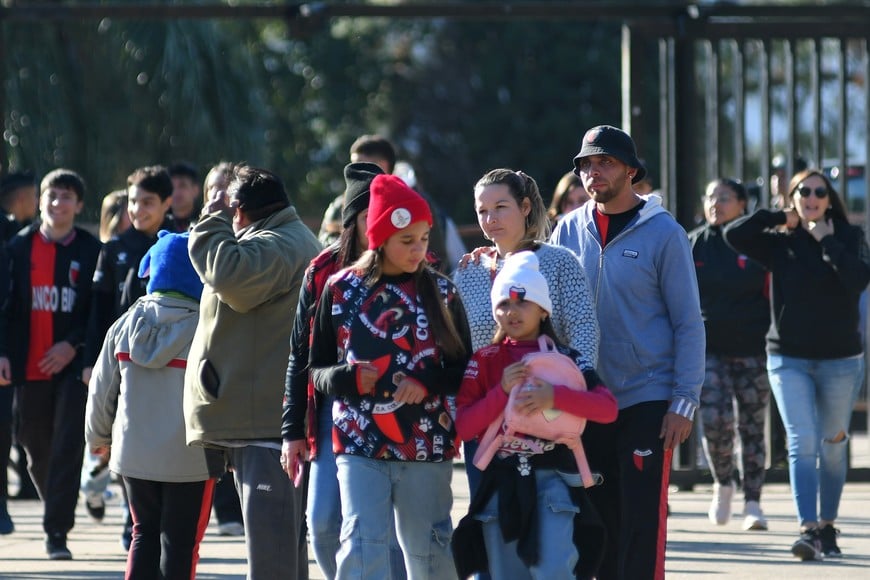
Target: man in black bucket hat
607 140
652 346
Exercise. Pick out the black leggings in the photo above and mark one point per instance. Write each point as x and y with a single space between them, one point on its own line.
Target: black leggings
169 520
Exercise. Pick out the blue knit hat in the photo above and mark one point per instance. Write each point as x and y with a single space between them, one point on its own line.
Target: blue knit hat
168 268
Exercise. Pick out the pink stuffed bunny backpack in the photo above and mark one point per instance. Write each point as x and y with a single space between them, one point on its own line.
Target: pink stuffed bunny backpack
509 430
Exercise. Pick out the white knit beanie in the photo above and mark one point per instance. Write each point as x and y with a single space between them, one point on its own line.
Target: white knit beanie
521 277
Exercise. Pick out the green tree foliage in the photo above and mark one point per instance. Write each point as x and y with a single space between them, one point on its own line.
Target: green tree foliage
517 94
457 98
106 97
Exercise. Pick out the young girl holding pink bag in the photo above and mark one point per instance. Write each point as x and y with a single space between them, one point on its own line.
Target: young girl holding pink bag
531 500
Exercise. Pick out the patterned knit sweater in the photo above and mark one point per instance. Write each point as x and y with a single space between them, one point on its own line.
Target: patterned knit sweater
386 326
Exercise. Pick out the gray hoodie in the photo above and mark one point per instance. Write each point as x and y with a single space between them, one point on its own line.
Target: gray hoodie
136 391
646 295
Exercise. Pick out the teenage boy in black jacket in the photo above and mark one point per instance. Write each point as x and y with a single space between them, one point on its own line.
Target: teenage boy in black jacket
116 283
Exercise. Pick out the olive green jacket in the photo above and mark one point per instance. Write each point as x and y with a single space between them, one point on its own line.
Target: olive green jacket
234 381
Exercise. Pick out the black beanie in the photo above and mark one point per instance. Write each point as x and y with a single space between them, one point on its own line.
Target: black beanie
358 177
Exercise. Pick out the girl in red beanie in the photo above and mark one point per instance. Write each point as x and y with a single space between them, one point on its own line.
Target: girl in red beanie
390 344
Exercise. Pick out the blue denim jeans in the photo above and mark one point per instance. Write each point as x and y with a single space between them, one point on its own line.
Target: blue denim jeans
557 554
324 505
417 495
324 502
815 399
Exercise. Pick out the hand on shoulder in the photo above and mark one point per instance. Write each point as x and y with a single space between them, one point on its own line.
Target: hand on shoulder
475 255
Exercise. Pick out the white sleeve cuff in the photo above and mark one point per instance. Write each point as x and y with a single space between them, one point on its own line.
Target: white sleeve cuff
683 408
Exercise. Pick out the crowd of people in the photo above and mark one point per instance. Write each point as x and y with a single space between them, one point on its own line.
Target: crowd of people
213 353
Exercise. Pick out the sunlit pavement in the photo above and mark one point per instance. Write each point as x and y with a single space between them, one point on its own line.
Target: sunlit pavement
696 548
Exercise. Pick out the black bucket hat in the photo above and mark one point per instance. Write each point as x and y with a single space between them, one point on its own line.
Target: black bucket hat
608 140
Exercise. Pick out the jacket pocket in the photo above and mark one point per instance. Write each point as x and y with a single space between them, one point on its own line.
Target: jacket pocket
621 363
209 379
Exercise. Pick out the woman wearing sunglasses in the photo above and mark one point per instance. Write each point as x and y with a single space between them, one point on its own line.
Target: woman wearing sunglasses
819 266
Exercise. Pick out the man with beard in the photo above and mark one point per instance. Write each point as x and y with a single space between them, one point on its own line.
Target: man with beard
651 355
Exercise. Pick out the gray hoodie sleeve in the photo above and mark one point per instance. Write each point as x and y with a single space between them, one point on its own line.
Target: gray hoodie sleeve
680 292
103 391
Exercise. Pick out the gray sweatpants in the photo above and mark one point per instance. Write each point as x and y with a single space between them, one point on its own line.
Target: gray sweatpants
273 510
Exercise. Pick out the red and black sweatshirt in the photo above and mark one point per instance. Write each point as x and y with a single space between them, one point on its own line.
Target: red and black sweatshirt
49 298
301 399
387 326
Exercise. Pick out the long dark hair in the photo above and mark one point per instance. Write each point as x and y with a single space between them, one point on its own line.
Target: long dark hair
545 328
837 208
369 267
349 249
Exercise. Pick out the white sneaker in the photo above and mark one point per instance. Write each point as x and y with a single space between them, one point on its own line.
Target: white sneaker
754 518
720 507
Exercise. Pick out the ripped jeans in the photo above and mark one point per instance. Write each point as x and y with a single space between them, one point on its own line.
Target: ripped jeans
417 494
815 399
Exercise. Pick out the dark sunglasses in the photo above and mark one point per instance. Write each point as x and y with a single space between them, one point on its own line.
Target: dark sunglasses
821 192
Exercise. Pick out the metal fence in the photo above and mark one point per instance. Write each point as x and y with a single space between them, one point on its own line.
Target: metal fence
753 93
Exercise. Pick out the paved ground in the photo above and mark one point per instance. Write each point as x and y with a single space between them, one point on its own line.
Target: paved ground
696 549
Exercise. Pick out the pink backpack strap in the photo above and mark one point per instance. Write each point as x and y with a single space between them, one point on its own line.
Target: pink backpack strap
546 344
583 466
489 443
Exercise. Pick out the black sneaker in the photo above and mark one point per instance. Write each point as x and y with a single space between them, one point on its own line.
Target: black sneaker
6 525
808 546
96 506
126 538
828 535
55 546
